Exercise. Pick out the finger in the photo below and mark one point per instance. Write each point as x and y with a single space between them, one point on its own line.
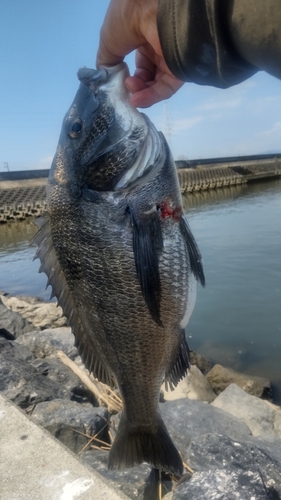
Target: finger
106 58
118 35
145 98
113 51
135 84
151 94
145 63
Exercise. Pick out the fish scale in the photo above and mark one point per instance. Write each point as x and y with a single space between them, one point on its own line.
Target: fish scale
121 259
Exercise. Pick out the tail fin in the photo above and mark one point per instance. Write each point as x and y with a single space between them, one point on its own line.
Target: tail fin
132 448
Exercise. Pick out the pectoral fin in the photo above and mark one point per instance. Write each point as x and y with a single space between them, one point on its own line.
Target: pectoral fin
147 244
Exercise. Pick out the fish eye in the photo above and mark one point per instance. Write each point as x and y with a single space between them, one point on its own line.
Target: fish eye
75 128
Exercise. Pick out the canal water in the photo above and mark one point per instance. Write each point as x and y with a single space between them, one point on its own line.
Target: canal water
237 317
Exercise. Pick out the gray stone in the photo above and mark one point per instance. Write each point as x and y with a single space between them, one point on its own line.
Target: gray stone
12 324
45 343
41 315
29 299
246 466
19 381
220 378
200 361
66 420
231 469
187 419
131 481
223 485
72 386
262 417
168 496
193 386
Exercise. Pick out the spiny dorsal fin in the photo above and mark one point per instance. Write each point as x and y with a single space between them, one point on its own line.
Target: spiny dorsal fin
147 244
56 278
193 251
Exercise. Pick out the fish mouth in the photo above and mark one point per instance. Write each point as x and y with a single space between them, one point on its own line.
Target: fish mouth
105 78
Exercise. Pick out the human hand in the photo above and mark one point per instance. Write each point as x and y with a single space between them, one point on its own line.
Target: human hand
131 25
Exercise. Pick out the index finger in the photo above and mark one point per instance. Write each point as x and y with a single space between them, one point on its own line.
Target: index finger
146 94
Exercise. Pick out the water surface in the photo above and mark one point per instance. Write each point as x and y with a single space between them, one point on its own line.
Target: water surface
237 317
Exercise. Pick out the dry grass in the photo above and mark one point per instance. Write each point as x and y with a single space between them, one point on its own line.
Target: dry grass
102 392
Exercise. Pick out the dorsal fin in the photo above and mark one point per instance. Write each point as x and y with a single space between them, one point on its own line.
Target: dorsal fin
193 251
56 278
147 244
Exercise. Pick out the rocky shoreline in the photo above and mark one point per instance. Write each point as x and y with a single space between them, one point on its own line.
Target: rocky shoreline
223 422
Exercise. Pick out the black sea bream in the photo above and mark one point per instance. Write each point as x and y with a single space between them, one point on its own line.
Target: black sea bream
121 259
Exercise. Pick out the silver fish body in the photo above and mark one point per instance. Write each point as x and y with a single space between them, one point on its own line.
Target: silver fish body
121 259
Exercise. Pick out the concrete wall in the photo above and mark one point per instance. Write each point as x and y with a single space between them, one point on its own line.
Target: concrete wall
23 193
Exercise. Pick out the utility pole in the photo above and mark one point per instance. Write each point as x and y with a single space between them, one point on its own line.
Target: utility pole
167 129
6 165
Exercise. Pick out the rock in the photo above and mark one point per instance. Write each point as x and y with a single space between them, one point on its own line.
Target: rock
215 447
229 469
262 418
223 485
42 315
169 496
29 299
187 419
193 386
47 342
229 462
66 420
200 361
72 386
220 378
132 482
19 381
12 324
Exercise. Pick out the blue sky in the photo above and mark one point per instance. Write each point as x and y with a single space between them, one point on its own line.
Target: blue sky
44 42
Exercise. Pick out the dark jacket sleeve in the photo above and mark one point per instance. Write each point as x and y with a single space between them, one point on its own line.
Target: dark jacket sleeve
220 42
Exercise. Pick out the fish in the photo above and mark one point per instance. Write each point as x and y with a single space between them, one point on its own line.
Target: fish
121 259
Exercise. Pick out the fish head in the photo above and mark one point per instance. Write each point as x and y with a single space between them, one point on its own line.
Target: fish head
105 143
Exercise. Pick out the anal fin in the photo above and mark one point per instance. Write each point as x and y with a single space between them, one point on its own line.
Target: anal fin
193 251
179 366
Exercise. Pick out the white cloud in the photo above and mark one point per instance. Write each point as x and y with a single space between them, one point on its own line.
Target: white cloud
230 98
45 162
220 104
273 131
262 141
185 123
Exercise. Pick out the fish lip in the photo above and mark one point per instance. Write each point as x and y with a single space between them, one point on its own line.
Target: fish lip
94 79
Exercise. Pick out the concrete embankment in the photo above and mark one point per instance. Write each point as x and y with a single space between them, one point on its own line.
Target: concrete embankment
226 172
34 465
23 194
